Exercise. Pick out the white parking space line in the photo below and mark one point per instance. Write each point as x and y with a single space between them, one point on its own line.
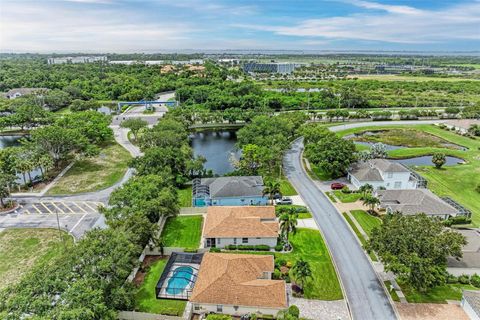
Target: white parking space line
46 207
59 210
86 204
38 210
68 207
76 224
27 211
79 207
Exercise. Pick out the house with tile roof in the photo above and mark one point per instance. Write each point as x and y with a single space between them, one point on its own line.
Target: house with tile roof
382 173
18 92
245 225
410 202
229 191
238 284
471 304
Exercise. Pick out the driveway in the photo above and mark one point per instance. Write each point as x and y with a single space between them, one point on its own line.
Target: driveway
364 292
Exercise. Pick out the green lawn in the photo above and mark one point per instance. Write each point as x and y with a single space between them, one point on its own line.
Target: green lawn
330 196
347 197
366 220
319 174
309 245
185 196
145 300
301 215
458 182
93 174
21 249
436 295
392 292
286 189
360 237
183 231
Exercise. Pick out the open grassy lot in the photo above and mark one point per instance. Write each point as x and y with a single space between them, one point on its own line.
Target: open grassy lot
145 300
366 221
95 173
347 197
183 231
286 188
21 249
393 77
309 245
185 196
458 182
438 294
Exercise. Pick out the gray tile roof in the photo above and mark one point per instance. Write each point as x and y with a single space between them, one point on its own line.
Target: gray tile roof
415 201
372 170
223 187
23 91
473 299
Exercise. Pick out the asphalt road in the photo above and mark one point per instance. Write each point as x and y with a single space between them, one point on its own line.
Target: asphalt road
365 295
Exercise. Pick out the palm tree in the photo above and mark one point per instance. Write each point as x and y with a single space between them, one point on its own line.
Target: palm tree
365 189
301 271
371 202
271 189
288 224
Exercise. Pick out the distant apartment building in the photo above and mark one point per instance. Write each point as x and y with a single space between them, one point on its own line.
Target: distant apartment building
80 59
271 67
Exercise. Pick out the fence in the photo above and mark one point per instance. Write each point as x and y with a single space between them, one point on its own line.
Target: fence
193 210
132 315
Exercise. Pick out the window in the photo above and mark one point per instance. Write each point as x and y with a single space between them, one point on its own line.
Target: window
218 241
390 174
234 240
235 307
244 240
219 308
196 307
398 184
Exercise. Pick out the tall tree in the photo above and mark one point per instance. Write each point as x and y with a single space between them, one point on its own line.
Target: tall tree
439 159
135 125
301 271
271 189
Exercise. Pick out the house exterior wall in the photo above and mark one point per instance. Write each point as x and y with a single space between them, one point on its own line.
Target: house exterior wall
222 242
469 310
231 201
230 309
392 180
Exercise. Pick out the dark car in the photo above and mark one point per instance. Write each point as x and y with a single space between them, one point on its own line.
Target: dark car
337 186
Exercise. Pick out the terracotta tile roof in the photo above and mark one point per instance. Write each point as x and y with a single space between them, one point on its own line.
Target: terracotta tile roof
238 222
236 279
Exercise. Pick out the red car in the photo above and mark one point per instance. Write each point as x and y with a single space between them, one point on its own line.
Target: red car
337 186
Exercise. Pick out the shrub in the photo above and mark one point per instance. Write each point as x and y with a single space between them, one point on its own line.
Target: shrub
296 288
452 279
457 220
287 278
276 274
289 264
262 247
477 188
346 190
280 262
279 247
464 279
294 311
231 247
215 250
190 250
475 280
219 317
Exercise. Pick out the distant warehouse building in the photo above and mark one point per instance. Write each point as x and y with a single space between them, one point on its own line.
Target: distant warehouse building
272 67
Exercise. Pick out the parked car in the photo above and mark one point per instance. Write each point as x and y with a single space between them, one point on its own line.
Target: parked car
337 186
284 201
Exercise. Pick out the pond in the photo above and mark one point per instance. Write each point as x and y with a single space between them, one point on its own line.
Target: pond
427 161
14 141
218 147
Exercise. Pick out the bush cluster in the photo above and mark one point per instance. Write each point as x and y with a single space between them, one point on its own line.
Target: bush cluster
242 247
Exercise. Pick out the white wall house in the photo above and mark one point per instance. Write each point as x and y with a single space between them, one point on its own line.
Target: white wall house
381 173
237 225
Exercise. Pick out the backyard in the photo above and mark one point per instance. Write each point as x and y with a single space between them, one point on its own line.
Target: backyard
183 231
458 181
185 196
145 299
21 249
93 174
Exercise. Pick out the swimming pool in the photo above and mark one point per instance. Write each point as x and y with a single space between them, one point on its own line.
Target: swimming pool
179 280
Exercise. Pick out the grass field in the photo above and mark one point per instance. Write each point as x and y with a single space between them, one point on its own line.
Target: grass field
309 245
458 182
145 300
360 237
185 196
286 188
366 221
347 197
183 231
21 249
392 77
438 294
95 173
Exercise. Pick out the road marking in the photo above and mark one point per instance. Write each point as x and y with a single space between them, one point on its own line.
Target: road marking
46 207
27 211
68 207
86 204
78 222
79 207
61 211
38 210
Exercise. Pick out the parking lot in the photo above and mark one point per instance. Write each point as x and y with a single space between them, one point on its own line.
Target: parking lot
60 207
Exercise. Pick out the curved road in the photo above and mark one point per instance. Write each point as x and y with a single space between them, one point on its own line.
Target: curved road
364 292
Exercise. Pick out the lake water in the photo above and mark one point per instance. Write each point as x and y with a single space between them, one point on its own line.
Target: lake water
427 161
218 147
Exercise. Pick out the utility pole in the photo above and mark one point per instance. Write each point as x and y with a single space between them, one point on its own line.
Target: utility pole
59 230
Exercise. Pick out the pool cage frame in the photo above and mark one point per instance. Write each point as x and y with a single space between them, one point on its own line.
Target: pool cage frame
177 258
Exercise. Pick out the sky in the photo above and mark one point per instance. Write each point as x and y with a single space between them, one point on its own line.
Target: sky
175 25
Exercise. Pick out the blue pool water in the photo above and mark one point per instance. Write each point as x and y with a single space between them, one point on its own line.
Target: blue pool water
180 279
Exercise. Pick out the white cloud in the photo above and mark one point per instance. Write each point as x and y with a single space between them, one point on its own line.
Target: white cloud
398 25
